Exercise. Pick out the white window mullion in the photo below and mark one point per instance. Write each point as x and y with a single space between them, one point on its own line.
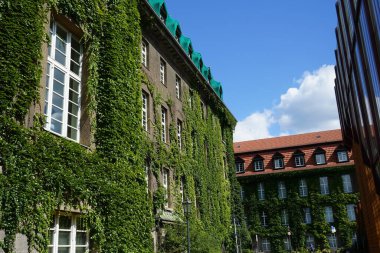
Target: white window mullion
56 231
73 234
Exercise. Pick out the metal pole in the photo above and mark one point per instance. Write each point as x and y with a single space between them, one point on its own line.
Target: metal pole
188 233
236 239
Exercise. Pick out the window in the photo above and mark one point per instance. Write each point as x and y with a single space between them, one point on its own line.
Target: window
68 234
162 71
324 184
320 158
347 184
309 241
178 88
281 190
287 244
264 219
145 111
165 184
284 217
204 110
261 191
63 83
307 215
147 176
342 156
163 124
258 163
144 53
239 166
265 245
332 241
351 212
303 188
278 161
299 159
179 133
329 214
242 193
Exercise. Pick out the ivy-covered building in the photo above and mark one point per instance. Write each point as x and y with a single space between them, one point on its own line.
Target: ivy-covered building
109 119
298 191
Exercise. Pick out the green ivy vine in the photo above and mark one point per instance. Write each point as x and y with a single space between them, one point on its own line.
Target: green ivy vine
42 173
319 228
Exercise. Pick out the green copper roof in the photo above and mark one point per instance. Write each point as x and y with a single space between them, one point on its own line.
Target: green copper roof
197 58
217 87
172 25
185 43
156 5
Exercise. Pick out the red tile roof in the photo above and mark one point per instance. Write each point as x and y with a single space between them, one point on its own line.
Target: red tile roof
288 141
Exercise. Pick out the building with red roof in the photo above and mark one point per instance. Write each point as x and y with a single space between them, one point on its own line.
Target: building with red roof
296 188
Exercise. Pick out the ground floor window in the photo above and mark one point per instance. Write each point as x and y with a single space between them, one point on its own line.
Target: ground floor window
68 234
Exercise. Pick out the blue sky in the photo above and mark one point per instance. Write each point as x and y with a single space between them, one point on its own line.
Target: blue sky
273 57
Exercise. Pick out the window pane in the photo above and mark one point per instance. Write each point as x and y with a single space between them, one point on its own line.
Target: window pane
73 96
73 108
58 87
56 126
57 100
63 250
51 236
61 33
56 113
74 67
64 238
75 56
80 250
75 44
60 45
60 57
59 75
81 238
74 85
64 222
72 133
72 120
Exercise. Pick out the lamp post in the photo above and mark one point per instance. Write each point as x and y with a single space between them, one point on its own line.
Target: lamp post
290 239
187 210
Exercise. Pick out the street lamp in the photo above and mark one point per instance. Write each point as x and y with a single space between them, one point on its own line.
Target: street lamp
187 210
290 238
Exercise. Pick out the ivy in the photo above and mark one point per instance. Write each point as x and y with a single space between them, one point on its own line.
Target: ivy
272 205
42 173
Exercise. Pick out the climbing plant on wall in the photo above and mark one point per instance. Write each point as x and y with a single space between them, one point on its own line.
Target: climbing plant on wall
42 173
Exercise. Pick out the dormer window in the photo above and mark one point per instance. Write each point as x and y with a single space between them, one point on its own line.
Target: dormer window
163 13
299 158
278 161
190 51
258 163
239 164
178 34
342 154
320 156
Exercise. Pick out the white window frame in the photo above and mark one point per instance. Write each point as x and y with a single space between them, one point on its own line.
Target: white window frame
162 71
178 87
263 219
347 183
179 133
324 185
281 190
239 167
310 240
55 230
145 106
265 245
342 156
299 160
278 162
332 241
165 184
329 215
144 53
68 75
307 215
261 191
303 190
164 115
284 217
320 158
351 212
258 164
287 244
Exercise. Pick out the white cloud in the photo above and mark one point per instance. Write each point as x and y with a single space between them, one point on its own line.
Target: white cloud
309 107
255 126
